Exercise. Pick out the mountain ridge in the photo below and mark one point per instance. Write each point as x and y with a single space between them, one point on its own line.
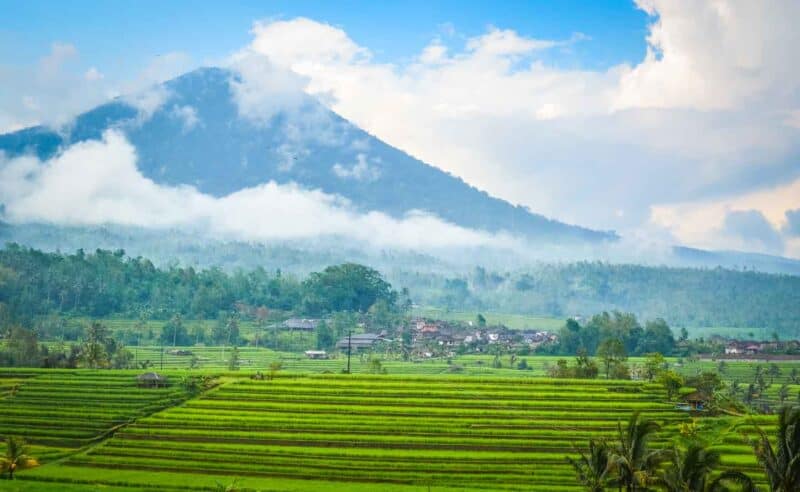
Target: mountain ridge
198 137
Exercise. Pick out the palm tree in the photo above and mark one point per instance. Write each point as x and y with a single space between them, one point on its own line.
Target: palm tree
782 462
689 471
594 470
16 457
635 463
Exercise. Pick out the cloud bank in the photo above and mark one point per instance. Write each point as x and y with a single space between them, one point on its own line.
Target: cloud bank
97 182
709 114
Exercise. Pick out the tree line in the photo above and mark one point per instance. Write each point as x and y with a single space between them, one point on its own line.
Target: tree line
107 283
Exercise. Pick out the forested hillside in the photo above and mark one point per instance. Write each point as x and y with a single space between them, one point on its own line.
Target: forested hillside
682 296
106 283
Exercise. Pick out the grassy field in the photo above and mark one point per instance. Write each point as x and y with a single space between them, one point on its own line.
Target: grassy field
95 430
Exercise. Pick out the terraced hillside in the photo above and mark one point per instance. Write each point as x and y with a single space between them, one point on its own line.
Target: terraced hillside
326 432
373 433
60 412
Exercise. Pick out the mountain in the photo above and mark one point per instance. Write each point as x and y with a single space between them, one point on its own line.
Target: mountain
694 257
198 136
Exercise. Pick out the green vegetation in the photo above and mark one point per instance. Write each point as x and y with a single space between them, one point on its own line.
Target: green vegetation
303 431
107 284
446 432
58 412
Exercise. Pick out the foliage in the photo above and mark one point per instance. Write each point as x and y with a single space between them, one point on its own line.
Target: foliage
688 471
194 385
672 382
347 287
594 470
781 461
376 367
274 367
616 334
325 339
707 382
16 457
636 463
654 365
611 351
234 360
107 283
585 368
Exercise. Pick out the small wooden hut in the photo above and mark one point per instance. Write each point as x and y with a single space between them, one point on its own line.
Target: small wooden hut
151 380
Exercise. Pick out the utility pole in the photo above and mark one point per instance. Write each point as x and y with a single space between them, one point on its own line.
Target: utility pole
349 349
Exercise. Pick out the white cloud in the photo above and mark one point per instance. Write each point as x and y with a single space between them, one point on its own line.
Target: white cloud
263 90
715 55
57 87
701 118
503 42
97 182
187 115
361 170
304 41
93 74
434 53
706 224
147 101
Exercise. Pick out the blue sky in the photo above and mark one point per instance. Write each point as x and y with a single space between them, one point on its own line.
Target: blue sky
120 37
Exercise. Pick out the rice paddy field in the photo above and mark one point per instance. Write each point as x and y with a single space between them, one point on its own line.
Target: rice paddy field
304 431
61 412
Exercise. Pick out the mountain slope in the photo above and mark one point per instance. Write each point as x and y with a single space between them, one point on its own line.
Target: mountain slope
198 136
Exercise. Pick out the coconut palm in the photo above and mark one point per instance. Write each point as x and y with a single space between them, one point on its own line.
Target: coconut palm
781 463
688 472
16 457
634 461
594 469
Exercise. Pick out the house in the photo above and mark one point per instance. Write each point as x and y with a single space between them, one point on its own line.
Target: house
301 324
316 354
736 347
361 341
695 401
151 380
429 328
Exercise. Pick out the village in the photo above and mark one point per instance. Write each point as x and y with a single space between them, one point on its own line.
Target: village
426 338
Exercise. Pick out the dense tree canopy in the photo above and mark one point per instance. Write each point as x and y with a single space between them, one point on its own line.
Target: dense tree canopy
347 287
623 329
105 283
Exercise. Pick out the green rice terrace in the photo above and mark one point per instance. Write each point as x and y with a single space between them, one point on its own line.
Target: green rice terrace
97 430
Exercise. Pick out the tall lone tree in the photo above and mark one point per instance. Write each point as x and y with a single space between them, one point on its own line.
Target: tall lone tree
611 351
